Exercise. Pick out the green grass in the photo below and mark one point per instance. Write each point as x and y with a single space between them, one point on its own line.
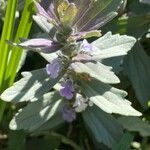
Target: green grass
10 56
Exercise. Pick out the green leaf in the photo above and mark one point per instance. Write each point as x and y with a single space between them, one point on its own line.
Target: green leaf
109 99
36 113
136 67
7 34
32 86
113 45
135 124
136 63
8 58
96 70
125 142
7 28
102 126
23 31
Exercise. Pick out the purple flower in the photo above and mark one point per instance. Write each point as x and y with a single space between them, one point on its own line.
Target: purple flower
67 90
47 10
89 48
86 53
68 114
83 21
53 68
41 45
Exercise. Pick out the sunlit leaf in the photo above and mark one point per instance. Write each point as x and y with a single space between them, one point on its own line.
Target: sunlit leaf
107 98
42 110
32 86
96 70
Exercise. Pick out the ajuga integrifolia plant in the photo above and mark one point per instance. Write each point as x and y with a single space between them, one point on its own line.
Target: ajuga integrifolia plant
74 79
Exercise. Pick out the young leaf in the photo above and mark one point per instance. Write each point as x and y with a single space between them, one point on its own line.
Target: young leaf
113 45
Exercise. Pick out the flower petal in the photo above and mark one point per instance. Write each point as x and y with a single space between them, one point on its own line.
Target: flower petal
69 114
53 68
41 10
41 45
67 90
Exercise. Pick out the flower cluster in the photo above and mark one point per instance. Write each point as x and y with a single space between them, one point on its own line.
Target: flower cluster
66 19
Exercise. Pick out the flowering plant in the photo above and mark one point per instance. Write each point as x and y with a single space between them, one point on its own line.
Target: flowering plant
74 80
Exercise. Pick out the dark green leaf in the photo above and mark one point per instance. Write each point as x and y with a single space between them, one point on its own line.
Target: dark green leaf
125 142
135 124
136 67
102 126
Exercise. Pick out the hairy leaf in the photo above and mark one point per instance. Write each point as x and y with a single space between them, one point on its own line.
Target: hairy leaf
32 86
113 45
35 114
109 99
96 70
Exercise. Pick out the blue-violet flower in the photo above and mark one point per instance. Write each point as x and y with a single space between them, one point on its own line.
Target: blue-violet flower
68 114
53 68
67 90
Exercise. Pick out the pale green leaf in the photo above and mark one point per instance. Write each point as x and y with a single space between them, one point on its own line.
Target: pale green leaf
36 113
96 70
109 99
113 45
32 86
